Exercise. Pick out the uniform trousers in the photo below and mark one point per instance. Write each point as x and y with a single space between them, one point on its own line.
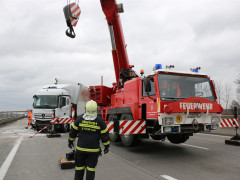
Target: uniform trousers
85 160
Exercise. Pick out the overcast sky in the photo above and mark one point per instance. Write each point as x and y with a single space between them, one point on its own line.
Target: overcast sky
34 49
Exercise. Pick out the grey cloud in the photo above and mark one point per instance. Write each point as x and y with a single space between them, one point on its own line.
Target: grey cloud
34 48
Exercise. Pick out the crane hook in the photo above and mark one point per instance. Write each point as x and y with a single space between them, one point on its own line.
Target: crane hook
70 32
71 12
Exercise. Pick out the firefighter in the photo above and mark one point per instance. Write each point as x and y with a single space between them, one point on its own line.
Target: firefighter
29 116
90 129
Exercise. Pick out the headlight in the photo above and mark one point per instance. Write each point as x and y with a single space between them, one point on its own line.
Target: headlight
168 121
215 120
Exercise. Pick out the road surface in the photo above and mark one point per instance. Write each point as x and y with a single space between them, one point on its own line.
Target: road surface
202 157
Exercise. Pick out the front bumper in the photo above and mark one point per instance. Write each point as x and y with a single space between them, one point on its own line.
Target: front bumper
186 128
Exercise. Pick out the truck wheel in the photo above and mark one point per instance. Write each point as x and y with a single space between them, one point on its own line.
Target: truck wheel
177 138
64 128
37 128
130 139
114 137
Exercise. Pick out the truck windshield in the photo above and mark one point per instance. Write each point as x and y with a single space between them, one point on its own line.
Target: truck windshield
176 87
45 101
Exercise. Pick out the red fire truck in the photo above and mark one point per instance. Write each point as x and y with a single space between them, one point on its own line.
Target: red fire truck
165 103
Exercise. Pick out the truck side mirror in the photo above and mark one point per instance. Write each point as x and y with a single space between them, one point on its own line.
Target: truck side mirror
147 85
35 97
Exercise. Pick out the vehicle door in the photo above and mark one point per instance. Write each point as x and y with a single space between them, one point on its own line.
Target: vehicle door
64 106
148 101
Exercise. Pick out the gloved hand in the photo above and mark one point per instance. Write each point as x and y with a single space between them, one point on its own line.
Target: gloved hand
100 152
70 144
106 149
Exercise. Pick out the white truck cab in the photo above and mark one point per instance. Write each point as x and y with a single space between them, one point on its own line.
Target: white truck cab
60 99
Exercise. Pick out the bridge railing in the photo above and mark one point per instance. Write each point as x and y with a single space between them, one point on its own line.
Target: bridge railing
7 116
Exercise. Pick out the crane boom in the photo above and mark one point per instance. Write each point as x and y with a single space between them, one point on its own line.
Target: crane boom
123 70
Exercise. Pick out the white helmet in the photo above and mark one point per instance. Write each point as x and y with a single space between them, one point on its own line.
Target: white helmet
91 108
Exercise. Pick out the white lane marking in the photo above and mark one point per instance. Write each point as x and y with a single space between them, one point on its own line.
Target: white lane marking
9 159
168 177
216 135
199 147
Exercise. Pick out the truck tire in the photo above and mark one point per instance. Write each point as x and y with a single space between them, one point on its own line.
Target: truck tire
177 138
130 139
65 128
37 128
114 137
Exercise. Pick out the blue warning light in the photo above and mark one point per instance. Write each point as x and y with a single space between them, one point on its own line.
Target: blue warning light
158 66
195 70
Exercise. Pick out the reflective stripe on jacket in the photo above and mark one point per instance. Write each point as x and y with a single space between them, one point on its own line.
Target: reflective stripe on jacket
89 133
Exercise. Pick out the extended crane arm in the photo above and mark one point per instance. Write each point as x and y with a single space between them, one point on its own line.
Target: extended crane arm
123 70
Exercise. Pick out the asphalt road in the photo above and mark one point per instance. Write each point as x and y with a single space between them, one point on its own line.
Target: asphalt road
202 157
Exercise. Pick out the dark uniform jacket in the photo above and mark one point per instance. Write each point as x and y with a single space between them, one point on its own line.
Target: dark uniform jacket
89 133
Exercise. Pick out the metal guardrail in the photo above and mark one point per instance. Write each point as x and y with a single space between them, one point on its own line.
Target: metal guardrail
8 116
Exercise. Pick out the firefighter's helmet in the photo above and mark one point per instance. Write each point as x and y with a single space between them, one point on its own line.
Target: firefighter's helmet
91 108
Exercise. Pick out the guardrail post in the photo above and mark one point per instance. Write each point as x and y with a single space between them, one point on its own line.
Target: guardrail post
237 137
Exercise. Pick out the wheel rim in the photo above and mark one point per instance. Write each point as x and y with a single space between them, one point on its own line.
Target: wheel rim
65 127
113 136
127 138
130 139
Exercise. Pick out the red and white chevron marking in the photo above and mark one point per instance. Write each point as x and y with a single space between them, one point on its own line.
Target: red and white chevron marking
229 123
76 11
62 121
110 126
132 127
